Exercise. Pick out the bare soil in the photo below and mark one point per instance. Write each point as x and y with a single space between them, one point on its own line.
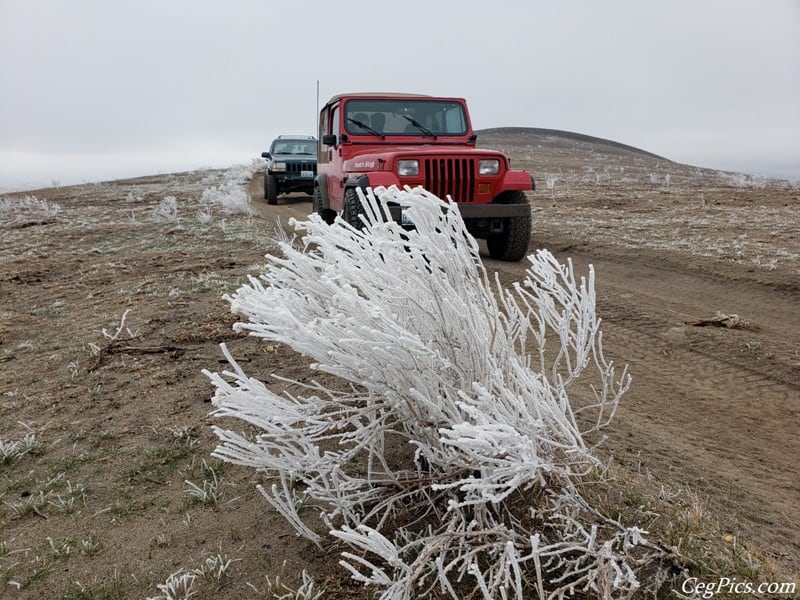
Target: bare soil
99 506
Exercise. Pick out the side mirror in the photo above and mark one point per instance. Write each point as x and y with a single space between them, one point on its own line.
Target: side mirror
329 139
266 155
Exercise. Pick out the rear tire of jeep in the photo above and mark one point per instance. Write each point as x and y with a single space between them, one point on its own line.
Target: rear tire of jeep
328 215
271 189
352 209
512 243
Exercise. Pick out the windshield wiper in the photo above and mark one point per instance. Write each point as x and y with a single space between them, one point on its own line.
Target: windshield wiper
366 127
419 126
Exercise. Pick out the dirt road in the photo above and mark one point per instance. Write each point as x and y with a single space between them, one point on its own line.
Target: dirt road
712 410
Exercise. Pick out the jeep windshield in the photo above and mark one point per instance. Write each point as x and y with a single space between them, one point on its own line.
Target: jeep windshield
405 116
295 147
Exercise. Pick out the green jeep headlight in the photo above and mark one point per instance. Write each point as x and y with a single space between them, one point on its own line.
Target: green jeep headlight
408 168
278 166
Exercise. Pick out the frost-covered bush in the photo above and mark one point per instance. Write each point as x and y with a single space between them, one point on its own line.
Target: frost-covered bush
742 180
167 210
204 215
230 194
550 182
244 172
451 459
28 209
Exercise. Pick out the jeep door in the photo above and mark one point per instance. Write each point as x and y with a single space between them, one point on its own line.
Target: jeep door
330 157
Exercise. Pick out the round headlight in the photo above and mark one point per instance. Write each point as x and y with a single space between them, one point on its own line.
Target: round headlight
408 168
489 167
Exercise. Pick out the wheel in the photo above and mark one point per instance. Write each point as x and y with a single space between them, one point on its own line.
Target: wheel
270 189
327 214
512 243
352 208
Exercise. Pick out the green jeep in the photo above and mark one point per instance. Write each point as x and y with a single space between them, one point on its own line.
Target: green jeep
291 166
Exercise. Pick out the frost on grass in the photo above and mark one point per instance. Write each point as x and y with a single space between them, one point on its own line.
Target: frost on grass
15 449
27 211
183 584
454 461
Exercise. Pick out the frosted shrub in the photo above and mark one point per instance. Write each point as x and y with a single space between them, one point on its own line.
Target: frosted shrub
230 194
244 172
204 215
742 180
551 182
167 210
27 209
451 462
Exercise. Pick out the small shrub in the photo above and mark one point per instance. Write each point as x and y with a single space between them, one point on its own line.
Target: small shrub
166 211
472 378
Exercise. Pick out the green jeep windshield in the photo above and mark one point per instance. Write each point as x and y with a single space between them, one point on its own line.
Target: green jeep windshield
294 147
405 116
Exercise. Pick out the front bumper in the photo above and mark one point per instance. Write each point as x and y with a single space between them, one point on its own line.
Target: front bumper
478 211
303 177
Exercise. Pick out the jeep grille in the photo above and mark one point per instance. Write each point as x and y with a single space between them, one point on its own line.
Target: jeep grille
451 176
296 167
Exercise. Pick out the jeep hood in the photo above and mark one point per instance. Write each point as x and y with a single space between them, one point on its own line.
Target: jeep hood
291 157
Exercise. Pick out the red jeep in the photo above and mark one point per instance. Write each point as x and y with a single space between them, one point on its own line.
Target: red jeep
369 140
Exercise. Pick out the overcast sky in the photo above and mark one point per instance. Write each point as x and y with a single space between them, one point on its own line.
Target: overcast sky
97 89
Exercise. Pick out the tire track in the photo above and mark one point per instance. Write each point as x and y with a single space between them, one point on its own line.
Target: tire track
728 434
703 411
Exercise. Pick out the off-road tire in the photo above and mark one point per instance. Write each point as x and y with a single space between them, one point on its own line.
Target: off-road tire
270 189
328 215
512 243
352 208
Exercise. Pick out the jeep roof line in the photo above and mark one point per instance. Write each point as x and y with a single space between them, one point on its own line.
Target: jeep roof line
296 137
374 139
291 166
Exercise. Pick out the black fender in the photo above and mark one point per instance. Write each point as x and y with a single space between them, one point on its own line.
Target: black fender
362 181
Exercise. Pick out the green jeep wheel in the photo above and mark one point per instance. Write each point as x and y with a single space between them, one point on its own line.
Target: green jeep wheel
270 189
